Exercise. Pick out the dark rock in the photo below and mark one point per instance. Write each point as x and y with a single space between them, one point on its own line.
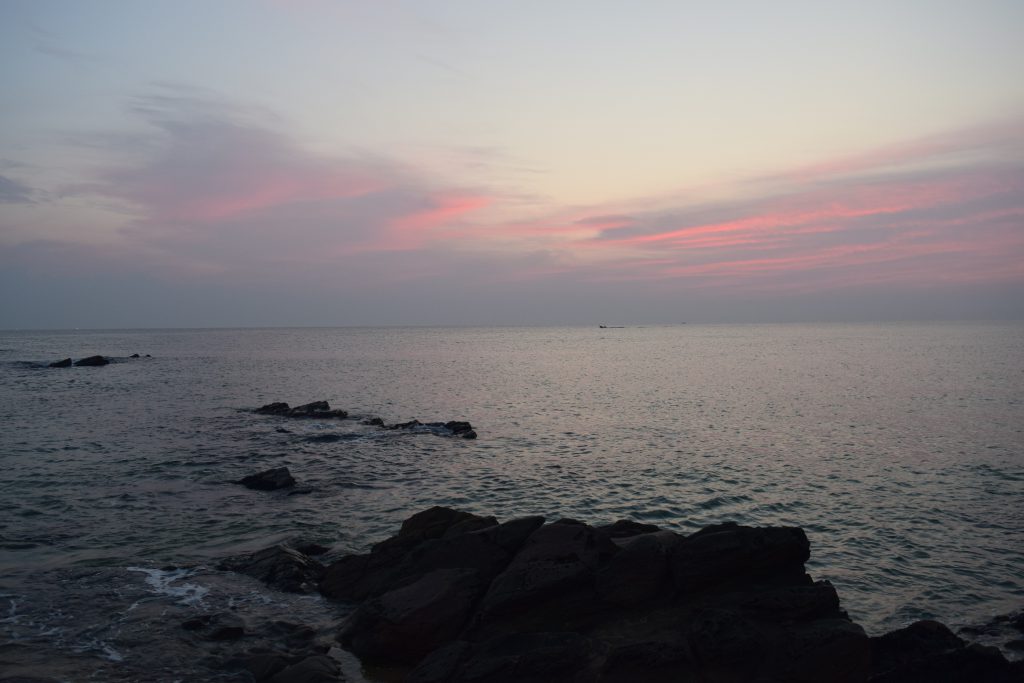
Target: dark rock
353 578
624 528
310 548
278 408
729 552
226 633
217 627
373 422
92 361
262 666
434 523
920 640
928 651
450 428
406 624
195 624
270 480
653 650
640 572
463 598
279 566
294 636
282 430
517 658
961 665
727 644
817 600
316 409
66 363
438 538
833 649
549 584
457 427
134 355
314 669
1017 621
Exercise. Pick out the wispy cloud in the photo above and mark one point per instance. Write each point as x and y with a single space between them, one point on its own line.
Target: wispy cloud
14 192
218 192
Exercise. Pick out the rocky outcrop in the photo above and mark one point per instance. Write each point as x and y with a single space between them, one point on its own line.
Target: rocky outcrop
460 597
451 428
317 409
927 651
279 566
269 480
66 363
92 361
323 410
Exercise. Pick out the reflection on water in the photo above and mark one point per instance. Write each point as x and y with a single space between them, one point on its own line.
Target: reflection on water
899 448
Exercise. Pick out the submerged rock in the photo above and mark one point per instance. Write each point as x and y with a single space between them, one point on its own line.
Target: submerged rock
66 363
270 480
92 361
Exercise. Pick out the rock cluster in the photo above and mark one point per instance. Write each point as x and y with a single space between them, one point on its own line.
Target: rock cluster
91 361
322 410
316 409
450 428
457 597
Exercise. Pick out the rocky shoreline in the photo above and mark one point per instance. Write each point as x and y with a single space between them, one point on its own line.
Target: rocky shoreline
455 597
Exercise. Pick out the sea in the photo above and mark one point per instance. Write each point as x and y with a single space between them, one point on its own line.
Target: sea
897 447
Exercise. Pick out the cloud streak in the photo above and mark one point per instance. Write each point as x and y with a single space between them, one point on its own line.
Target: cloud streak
14 192
218 194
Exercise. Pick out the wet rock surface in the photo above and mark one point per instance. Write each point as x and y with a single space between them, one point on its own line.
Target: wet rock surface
92 361
279 566
268 480
317 409
461 597
323 410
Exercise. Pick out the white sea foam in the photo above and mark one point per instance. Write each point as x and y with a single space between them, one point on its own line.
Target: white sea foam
165 582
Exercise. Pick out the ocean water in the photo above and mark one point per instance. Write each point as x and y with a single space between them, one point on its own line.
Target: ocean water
899 448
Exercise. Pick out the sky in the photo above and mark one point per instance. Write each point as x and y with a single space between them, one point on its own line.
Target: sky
190 163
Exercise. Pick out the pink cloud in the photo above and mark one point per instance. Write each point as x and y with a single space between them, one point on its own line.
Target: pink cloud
217 194
443 208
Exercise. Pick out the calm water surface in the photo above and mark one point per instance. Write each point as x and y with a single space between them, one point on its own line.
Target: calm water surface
898 447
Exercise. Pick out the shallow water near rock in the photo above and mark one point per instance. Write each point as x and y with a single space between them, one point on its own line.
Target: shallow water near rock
898 447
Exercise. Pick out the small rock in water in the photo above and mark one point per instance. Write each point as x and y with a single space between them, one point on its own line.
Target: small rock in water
277 408
373 422
270 480
66 363
92 361
279 566
316 409
134 355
